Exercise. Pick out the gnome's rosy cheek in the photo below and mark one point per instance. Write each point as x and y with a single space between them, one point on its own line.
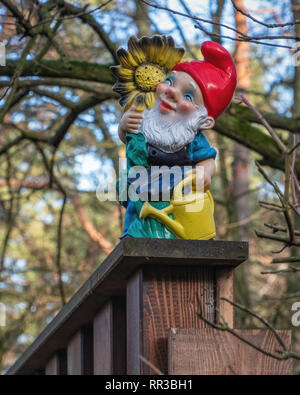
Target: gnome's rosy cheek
186 107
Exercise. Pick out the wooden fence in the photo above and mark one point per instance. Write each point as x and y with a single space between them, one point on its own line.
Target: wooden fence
118 321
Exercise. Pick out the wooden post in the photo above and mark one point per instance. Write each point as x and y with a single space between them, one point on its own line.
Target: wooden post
159 298
225 289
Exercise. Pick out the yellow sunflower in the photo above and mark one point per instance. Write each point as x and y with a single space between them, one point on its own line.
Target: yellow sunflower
146 63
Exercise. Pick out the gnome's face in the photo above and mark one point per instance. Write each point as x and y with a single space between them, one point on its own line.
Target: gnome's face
178 114
179 96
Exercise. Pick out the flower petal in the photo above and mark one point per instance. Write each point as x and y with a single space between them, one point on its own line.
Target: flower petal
140 102
136 98
126 59
122 73
172 57
158 41
169 55
155 49
150 99
123 88
136 50
127 100
170 41
145 43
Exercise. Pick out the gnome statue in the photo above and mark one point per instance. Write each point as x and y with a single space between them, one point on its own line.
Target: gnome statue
167 106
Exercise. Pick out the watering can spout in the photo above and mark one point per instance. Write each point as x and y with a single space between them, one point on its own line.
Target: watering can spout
162 216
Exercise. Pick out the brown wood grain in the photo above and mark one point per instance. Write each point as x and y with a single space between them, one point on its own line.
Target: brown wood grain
119 335
134 322
225 289
110 338
103 341
57 364
75 349
80 352
213 352
159 299
52 366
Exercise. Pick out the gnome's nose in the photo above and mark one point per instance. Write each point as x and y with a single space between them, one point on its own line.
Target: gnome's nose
172 93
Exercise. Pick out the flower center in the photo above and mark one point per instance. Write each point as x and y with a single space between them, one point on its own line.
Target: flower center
148 76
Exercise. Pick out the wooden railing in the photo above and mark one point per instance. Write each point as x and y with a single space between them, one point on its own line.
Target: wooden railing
118 321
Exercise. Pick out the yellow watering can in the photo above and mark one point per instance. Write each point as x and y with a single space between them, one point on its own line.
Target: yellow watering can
193 212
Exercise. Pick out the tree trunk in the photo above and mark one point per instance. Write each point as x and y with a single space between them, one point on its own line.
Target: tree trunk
296 106
292 280
240 165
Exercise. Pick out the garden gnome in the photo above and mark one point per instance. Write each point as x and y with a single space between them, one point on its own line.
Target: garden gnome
168 133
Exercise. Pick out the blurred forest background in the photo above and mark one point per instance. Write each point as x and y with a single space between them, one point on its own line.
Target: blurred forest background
58 140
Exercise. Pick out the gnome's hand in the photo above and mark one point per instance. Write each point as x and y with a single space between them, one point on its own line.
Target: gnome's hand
204 170
130 122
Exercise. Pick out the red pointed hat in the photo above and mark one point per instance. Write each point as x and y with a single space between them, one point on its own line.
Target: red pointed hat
215 75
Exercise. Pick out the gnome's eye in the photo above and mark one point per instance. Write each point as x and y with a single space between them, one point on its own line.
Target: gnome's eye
169 81
188 97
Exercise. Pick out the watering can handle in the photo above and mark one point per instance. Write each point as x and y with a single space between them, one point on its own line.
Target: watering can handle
211 201
177 193
189 180
208 194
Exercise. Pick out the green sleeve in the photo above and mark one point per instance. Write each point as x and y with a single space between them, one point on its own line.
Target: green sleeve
136 150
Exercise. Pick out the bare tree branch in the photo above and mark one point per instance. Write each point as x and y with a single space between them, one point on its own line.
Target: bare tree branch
283 354
269 25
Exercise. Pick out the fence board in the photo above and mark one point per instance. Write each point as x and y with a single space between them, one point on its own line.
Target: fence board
110 338
159 299
80 352
57 364
213 352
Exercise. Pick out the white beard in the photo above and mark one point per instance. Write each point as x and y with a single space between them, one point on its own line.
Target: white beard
167 134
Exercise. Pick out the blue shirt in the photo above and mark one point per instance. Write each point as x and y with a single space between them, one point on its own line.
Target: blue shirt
199 148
